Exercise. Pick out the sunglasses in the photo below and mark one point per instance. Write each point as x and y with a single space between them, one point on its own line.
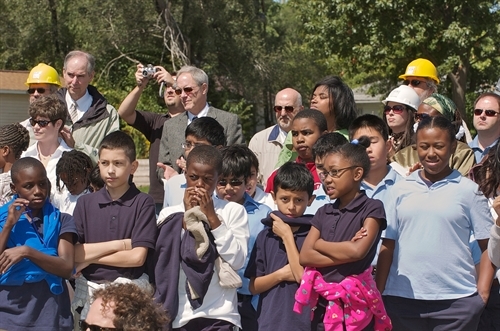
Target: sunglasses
186 90
41 123
40 90
413 82
397 109
421 116
84 326
335 173
288 109
232 182
487 112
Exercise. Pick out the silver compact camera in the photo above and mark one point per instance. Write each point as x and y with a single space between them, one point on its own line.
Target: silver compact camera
148 71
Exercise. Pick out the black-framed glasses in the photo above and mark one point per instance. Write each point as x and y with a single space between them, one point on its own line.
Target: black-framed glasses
421 116
335 173
186 90
189 145
288 109
41 123
413 82
396 109
40 90
233 182
487 112
84 326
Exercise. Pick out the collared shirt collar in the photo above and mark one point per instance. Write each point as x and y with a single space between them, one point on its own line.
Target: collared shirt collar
390 178
32 151
416 176
354 204
83 104
250 204
126 199
202 113
277 135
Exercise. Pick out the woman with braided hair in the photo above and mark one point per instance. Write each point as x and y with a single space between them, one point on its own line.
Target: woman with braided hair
14 139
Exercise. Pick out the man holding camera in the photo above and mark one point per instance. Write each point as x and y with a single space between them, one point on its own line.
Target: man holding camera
151 124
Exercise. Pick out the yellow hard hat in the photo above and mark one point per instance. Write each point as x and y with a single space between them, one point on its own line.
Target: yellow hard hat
421 68
43 74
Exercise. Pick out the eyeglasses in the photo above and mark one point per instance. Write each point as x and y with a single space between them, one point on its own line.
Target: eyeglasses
487 112
397 109
41 123
189 145
335 173
288 109
40 90
186 90
84 326
421 116
232 182
413 82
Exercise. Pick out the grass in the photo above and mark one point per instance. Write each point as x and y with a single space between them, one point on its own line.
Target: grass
144 189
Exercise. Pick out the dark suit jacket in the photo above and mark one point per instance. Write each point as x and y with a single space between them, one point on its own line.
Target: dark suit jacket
174 135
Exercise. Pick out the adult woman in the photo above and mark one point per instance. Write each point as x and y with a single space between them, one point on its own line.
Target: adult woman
399 109
462 159
425 267
335 100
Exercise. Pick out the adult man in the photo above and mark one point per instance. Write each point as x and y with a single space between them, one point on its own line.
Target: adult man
422 76
151 124
192 86
267 144
42 80
487 122
90 115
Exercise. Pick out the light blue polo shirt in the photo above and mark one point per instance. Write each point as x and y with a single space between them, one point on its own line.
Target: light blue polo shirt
256 213
431 226
479 154
319 201
379 192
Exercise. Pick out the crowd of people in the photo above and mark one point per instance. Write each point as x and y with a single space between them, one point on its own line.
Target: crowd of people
326 221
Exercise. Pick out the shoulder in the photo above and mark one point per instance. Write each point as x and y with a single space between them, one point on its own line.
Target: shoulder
167 211
222 114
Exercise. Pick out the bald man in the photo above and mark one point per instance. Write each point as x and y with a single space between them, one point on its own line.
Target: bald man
267 144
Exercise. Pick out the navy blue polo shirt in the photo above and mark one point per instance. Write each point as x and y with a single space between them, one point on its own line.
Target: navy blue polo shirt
98 218
275 310
337 225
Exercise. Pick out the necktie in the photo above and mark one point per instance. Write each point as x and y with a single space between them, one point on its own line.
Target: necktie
73 113
194 118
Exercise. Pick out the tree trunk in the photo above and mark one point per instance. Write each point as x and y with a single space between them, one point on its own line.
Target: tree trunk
55 30
459 84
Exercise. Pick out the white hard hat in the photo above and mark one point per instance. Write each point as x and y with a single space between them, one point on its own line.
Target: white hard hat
404 95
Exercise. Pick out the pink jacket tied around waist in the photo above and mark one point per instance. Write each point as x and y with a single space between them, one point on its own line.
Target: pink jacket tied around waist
354 301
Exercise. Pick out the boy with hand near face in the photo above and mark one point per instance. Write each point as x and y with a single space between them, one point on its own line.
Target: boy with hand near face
116 225
307 126
203 131
232 184
274 269
212 306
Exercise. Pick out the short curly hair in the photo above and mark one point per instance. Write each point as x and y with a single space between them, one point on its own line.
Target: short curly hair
133 307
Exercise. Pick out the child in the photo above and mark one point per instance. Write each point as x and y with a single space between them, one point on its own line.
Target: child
116 226
274 268
487 176
321 148
207 304
36 254
425 267
338 270
307 126
73 170
14 139
253 189
96 182
236 170
203 131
